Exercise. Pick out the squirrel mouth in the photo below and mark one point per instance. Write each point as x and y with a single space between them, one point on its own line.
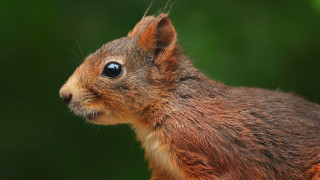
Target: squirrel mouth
93 116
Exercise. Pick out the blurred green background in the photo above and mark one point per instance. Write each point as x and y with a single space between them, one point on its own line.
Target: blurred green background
266 43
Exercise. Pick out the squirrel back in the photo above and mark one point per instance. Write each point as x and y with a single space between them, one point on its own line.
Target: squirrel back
190 126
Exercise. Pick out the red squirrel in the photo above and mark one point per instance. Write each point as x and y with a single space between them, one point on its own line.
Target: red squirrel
190 126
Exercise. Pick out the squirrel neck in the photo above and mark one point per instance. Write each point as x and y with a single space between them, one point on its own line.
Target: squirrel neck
160 119
192 86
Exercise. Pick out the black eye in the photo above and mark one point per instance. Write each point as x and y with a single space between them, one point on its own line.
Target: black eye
112 70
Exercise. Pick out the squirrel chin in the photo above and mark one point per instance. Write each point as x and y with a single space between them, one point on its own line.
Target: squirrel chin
104 118
93 116
99 116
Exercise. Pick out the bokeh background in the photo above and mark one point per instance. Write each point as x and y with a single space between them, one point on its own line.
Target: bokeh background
267 43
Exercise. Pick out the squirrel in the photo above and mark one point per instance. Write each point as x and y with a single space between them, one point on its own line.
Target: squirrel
190 126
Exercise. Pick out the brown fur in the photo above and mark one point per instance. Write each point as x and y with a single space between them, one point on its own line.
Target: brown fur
193 127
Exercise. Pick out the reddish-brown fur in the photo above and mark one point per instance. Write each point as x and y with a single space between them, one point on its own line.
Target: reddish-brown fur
203 129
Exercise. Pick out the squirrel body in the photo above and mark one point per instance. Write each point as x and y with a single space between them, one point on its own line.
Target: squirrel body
190 126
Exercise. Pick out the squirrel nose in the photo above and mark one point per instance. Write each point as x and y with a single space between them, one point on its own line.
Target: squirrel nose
66 97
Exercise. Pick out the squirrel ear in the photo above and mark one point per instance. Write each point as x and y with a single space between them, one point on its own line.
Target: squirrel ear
141 26
160 36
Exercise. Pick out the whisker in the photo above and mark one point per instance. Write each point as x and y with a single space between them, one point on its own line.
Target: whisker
75 54
62 71
97 129
75 38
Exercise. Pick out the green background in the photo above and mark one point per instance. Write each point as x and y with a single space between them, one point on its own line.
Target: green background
266 43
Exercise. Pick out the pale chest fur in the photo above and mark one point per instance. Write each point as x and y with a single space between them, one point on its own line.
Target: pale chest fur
157 153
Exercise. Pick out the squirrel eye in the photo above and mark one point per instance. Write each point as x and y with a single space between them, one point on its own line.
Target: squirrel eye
112 70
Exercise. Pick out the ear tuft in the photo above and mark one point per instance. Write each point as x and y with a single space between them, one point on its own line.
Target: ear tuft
159 35
141 26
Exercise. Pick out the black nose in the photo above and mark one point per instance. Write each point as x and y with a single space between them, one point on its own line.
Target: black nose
66 97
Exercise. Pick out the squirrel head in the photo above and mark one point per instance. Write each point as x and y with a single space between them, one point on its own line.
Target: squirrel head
122 78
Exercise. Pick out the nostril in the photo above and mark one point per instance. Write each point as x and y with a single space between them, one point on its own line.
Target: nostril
66 97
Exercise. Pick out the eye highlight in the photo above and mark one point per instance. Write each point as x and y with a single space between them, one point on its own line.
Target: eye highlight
112 70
